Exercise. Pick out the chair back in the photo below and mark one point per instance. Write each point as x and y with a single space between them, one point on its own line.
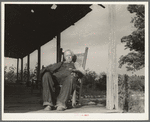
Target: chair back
80 57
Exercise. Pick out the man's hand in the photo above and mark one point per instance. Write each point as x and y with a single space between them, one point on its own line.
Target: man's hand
74 70
71 69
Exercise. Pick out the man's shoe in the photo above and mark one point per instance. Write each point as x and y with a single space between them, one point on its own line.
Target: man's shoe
48 108
59 108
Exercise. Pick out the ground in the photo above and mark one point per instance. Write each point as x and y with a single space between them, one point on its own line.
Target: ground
19 99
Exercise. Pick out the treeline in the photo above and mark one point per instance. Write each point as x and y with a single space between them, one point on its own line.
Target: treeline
10 74
99 82
92 80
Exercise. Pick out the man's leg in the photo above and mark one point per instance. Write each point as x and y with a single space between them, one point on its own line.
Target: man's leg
66 90
49 98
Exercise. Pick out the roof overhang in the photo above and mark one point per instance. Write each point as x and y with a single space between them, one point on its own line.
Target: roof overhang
29 26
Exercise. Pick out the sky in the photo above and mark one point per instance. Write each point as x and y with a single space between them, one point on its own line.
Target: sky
91 31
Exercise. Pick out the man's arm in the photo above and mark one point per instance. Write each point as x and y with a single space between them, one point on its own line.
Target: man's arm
51 68
79 68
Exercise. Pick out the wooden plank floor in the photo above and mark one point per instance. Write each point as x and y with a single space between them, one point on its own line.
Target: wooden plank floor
18 99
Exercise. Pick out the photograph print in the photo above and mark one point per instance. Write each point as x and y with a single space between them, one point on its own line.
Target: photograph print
81 59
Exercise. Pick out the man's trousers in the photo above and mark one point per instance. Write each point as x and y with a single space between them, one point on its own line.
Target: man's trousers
52 95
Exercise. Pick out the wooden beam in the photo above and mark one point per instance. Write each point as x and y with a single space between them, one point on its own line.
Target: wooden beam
17 68
112 76
21 69
39 63
28 68
58 48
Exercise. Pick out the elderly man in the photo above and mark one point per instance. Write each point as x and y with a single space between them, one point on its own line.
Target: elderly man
62 73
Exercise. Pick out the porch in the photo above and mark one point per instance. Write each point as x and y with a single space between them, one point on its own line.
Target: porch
20 100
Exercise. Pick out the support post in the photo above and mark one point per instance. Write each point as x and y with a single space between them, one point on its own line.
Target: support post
17 68
28 62
21 69
60 56
58 48
112 76
39 63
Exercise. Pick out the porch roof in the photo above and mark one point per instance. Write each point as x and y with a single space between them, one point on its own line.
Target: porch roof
29 26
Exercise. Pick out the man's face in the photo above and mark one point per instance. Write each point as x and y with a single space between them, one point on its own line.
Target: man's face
68 56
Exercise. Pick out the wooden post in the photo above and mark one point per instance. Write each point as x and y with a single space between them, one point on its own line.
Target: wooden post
39 63
21 69
60 56
112 76
58 48
28 62
17 68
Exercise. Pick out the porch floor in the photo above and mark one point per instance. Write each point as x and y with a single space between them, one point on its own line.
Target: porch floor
18 99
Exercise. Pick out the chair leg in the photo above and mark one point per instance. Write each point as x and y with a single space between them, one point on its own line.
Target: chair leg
80 92
74 98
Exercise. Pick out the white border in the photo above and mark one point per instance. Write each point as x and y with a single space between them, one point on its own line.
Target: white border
75 2
2 54
146 61
72 116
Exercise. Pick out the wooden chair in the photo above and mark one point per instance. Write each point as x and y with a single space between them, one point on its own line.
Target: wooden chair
81 59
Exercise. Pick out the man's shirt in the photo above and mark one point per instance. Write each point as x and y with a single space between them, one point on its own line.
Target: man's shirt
61 69
64 71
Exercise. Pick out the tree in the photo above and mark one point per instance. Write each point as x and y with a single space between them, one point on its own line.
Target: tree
135 42
5 74
101 82
5 68
90 79
10 76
